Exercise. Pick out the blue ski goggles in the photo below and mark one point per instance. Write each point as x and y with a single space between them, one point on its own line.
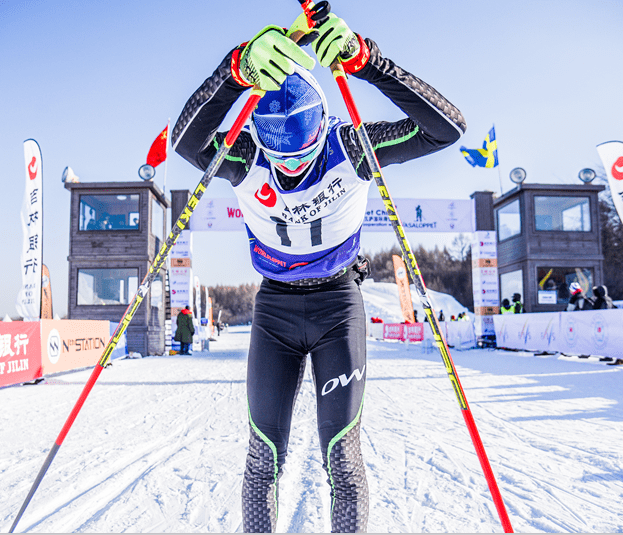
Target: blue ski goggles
293 163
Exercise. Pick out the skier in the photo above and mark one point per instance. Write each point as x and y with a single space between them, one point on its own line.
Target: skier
302 183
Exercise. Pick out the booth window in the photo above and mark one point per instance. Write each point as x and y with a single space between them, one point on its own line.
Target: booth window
109 212
106 286
511 283
509 220
553 283
157 221
567 214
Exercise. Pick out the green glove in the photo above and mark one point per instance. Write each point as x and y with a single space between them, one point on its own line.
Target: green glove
270 56
335 39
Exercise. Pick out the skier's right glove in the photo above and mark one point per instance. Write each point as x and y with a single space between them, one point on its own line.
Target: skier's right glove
268 58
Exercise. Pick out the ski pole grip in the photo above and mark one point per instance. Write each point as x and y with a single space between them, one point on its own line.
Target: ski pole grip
315 15
303 31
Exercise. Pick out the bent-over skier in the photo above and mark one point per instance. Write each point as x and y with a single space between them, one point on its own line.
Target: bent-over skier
302 183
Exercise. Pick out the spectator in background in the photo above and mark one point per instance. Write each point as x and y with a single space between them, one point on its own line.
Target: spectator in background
602 299
453 318
517 304
578 300
415 315
506 307
103 223
185 330
441 316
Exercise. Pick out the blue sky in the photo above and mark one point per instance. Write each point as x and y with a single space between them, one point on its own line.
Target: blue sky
94 83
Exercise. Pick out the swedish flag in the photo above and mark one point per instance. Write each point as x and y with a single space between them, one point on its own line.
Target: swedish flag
485 157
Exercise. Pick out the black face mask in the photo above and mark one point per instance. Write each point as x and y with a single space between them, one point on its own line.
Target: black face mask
288 183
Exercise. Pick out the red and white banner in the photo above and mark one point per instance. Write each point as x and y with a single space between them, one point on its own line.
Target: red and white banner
611 154
20 352
28 303
393 331
29 350
414 332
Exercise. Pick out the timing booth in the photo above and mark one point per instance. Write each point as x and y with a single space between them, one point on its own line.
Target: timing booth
548 236
116 231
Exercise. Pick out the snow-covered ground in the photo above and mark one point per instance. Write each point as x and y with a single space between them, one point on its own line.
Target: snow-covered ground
161 442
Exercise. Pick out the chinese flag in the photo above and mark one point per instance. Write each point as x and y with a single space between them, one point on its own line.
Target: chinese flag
158 151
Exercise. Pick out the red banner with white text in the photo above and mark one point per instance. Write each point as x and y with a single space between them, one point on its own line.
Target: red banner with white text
413 332
20 352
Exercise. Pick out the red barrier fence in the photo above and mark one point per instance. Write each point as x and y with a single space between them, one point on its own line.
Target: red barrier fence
31 349
413 332
20 352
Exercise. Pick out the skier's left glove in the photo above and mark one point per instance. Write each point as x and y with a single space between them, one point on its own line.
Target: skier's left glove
335 40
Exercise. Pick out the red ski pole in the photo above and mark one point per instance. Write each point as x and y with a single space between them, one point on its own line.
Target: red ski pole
416 277
156 266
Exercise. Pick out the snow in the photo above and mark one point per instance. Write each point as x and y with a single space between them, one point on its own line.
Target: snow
381 300
160 444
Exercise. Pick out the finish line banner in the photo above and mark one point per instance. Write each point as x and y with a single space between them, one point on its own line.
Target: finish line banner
417 215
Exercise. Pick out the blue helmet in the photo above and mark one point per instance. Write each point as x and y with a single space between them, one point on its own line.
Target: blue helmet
293 120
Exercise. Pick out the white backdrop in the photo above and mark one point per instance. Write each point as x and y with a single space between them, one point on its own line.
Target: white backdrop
423 215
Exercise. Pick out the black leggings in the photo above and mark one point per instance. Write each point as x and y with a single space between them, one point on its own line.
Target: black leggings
329 324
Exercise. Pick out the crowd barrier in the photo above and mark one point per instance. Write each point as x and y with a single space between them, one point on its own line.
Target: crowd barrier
33 349
590 332
458 334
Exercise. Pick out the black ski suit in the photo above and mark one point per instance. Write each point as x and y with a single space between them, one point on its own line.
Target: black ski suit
323 317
